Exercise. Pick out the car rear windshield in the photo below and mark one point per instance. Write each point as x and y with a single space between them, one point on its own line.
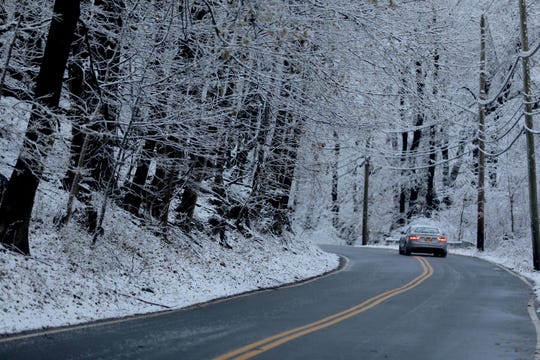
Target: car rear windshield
426 230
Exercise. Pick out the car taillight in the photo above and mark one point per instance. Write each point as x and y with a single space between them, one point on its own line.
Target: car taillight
414 237
441 239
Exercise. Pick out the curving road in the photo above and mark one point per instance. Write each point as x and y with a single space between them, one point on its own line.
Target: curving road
379 306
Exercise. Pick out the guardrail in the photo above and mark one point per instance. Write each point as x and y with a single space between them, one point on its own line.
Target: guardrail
391 240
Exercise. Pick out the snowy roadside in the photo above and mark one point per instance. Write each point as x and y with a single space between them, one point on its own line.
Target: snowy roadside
45 291
67 281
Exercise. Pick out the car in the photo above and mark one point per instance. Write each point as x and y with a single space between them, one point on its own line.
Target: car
423 238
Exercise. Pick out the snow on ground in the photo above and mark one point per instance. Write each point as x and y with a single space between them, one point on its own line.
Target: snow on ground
130 271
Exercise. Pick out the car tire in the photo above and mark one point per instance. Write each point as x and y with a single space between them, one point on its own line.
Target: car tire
407 252
443 254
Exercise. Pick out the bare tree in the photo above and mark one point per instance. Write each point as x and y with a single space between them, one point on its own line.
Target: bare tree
18 201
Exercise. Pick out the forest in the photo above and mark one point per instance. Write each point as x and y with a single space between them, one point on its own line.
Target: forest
266 117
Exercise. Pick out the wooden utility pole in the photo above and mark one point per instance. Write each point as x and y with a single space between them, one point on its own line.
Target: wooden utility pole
480 223
365 211
531 158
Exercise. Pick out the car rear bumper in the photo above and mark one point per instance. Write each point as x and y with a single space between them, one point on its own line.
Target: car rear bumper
426 247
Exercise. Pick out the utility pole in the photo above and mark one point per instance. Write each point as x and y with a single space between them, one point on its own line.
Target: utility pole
531 158
480 223
365 216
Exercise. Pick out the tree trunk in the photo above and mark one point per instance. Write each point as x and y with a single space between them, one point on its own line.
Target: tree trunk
292 140
91 76
135 190
431 204
105 50
335 178
404 147
260 160
431 201
417 136
403 190
78 95
18 201
190 195
281 165
445 154
166 169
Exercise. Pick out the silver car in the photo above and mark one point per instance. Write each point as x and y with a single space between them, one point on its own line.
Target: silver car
423 239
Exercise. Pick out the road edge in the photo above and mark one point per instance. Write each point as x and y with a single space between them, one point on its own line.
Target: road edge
115 320
531 307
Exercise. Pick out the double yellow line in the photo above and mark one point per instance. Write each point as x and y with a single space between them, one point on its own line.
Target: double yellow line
259 347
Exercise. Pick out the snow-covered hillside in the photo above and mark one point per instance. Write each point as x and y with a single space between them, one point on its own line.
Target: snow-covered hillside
129 271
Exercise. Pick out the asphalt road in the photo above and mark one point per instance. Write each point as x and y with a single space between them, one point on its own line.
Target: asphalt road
381 305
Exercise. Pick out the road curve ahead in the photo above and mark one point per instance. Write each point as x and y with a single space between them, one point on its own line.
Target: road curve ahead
380 306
